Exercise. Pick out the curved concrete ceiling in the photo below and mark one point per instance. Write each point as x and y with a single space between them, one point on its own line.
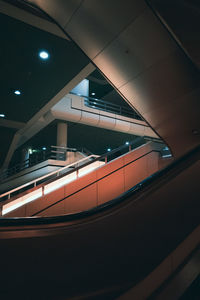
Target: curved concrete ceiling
138 55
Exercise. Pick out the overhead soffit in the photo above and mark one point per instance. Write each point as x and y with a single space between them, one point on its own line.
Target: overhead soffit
29 9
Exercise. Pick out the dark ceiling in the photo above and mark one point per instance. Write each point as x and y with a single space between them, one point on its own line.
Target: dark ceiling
6 135
39 81
22 69
99 85
182 18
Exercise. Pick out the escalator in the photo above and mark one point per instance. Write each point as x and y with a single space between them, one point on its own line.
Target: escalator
108 251
86 183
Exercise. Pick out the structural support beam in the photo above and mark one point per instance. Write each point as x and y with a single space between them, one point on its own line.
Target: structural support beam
11 124
28 18
69 86
62 134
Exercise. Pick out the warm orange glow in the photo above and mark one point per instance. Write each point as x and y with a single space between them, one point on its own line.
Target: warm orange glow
59 183
21 201
49 187
71 177
90 168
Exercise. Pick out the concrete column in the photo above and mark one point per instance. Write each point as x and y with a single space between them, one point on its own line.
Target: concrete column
61 139
24 157
24 154
62 134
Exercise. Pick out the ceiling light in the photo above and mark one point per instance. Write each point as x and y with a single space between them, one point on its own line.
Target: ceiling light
109 149
44 55
44 148
127 143
17 92
2 116
93 94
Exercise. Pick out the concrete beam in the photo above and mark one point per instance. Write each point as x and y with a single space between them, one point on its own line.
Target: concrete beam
11 124
28 18
69 86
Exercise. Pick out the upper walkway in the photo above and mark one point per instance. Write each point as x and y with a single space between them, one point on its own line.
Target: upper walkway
93 112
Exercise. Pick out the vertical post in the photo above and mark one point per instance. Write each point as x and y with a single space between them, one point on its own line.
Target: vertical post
25 157
42 190
61 138
129 148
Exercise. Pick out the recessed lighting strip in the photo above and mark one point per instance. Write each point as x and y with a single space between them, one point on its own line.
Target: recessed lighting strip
49 188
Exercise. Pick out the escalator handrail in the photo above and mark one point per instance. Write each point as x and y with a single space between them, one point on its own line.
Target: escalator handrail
24 221
115 108
97 180
46 176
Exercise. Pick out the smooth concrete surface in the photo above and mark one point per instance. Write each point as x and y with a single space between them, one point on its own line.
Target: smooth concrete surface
62 134
72 108
97 187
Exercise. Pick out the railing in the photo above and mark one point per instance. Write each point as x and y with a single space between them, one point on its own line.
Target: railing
78 169
60 153
99 179
54 174
176 165
109 107
75 167
54 152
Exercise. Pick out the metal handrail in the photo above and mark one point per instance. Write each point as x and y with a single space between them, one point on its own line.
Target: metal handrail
96 158
24 165
108 106
104 156
65 148
49 220
84 150
34 182
30 162
97 180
